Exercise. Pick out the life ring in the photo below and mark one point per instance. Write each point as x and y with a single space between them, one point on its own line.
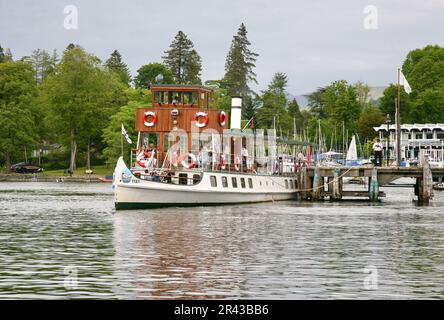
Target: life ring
185 164
222 118
223 162
237 163
145 118
196 119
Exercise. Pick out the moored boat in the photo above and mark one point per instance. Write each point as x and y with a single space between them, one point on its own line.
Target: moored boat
187 156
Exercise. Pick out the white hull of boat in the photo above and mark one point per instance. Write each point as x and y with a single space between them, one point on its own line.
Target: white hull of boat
131 192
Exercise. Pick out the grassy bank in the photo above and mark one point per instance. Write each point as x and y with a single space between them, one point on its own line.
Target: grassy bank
97 171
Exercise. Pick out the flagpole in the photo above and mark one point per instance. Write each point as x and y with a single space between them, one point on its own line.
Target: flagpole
121 144
398 122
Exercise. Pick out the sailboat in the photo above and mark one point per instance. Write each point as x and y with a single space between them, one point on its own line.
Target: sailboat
352 154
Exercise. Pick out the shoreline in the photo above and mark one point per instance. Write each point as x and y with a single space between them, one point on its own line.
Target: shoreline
16 177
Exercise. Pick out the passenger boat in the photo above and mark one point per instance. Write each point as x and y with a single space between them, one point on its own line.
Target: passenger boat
197 160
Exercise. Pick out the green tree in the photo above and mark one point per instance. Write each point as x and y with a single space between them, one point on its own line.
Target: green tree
117 66
341 104
126 115
43 63
146 75
5 55
315 103
81 96
193 67
17 123
240 63
387 104
274 105
250 108
294 112
183 60
428 107
424 68
370 117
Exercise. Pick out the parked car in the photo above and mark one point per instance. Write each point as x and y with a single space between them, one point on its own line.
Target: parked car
26 167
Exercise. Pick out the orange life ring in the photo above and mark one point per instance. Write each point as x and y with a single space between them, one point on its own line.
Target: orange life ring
199 115
186 165
222 118
148 114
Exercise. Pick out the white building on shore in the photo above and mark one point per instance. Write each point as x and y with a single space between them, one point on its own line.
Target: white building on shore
416 140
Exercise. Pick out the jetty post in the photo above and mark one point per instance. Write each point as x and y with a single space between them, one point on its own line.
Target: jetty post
374 186
424 184
335 185
317 183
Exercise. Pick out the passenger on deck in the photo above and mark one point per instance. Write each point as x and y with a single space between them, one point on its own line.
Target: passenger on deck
175 100
377 149
151 154
141 156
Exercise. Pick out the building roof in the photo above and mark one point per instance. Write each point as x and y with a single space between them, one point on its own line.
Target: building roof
410 127
179 86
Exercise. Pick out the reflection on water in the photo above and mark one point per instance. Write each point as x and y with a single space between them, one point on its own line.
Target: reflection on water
285 250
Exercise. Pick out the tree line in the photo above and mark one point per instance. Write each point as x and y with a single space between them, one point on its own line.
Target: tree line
76 102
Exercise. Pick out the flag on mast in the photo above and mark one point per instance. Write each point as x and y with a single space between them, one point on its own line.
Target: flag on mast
403 82
125 134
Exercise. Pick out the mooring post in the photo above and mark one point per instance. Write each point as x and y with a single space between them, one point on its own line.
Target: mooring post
374 186
304 183
317 183
336 192
425 184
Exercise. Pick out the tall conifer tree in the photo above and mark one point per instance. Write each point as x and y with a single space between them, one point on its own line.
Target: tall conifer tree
183 60
239 64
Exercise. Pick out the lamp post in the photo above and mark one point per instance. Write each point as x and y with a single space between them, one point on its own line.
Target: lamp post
388 121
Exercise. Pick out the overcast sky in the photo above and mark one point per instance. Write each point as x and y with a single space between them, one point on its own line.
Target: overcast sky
314 42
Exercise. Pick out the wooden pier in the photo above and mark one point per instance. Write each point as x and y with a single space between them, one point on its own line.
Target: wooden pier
318 183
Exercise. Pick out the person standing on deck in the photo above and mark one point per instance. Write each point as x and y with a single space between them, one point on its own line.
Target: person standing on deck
377 149
151 154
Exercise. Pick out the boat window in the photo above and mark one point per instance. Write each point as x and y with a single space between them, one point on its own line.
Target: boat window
160 97
242 182
175 97
291 184
295 184
418 136
213 181
260 182
234 182
250 182
224 182
196 178
203 100
183 178
440 135
189 98
286 184
429 135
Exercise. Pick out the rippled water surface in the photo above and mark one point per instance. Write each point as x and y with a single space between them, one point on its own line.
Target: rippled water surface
67 241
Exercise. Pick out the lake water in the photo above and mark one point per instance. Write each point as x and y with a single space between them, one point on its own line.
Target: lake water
66 241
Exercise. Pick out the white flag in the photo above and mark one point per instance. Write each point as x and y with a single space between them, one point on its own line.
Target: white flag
125 134
403 82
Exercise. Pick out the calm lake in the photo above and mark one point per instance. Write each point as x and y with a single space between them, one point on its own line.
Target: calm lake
65 240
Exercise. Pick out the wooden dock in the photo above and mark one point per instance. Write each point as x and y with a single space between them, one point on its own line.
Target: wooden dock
318 183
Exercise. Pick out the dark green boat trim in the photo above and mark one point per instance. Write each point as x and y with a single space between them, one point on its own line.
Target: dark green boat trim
140 205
